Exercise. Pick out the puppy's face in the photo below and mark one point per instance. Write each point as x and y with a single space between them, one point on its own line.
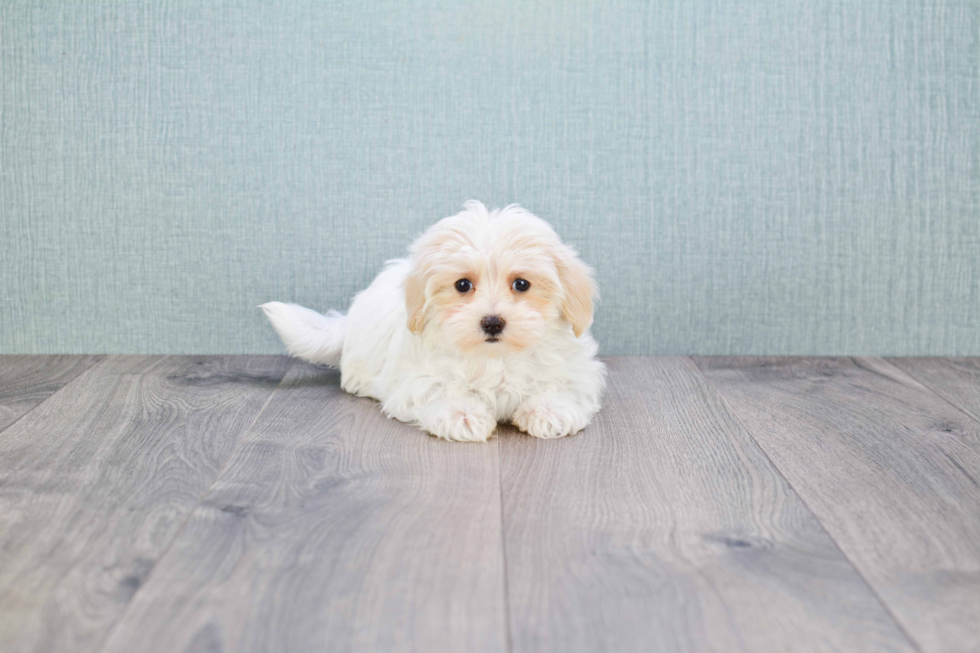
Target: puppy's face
497 282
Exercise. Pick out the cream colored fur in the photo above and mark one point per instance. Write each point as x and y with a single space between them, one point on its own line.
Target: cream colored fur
415 343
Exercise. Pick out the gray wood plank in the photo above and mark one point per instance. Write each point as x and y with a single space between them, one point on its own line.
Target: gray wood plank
26 381
890 469
957 380
96 481
663 527
336 529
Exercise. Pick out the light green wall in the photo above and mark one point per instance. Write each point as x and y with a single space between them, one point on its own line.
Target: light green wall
770 176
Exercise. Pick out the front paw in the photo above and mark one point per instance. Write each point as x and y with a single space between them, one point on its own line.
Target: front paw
551 417
460 422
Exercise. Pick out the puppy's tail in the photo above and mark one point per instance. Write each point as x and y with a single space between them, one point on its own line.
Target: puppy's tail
307 334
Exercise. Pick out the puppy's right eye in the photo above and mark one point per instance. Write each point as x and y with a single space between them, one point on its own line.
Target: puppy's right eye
464 285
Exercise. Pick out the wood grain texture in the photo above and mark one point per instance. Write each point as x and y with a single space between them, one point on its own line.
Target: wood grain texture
333 529
26 381
889 468
96 482
957 380
663 527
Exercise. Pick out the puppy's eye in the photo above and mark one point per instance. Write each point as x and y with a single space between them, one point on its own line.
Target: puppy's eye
521 285
464 285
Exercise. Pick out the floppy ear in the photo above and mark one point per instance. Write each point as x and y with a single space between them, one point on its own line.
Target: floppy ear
579 289
415 301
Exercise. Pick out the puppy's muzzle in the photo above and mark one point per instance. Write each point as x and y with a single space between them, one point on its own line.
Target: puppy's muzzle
493 325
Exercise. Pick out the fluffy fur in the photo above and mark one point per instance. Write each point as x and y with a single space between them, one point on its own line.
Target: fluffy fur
416 343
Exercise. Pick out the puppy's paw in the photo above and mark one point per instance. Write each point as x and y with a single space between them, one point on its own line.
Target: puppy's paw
550 417
462 421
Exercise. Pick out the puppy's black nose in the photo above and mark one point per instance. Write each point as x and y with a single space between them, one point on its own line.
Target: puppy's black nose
492 324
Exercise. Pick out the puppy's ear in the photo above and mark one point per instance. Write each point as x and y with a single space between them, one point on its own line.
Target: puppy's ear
579 288
415 301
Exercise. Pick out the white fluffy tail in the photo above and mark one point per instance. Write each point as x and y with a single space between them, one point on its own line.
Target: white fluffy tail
307 334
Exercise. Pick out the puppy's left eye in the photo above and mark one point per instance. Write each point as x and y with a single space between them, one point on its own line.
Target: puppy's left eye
521 285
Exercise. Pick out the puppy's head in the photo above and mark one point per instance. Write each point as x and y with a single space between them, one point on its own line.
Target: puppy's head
493 282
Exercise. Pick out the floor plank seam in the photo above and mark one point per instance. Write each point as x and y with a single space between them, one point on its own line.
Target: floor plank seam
602 552
187 518
973 418
898 624
93 366
503 544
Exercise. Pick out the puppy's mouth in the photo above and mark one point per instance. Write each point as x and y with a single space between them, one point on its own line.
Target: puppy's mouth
493 339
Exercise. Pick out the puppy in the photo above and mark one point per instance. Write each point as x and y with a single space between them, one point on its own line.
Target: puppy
486 321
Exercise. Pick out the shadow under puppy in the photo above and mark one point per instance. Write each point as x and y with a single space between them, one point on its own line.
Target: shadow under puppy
486 321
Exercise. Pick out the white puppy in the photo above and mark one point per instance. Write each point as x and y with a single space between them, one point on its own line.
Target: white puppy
486 321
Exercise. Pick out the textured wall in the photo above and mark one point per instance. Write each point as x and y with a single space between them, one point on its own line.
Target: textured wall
771 176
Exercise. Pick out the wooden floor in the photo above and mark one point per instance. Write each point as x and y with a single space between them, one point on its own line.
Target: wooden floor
715 504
